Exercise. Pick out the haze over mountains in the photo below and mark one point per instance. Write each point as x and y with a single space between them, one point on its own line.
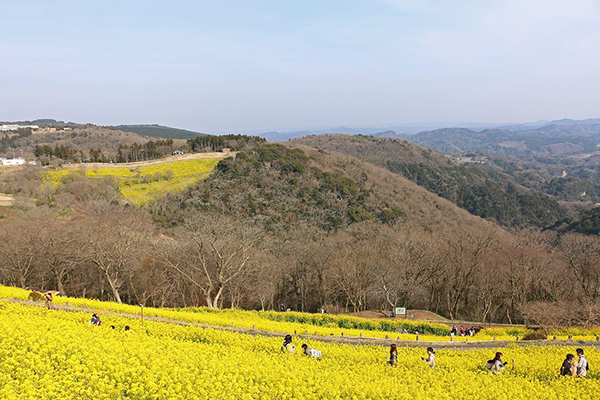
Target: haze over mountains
563 136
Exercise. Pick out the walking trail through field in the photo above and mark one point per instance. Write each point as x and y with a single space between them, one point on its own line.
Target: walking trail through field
351 340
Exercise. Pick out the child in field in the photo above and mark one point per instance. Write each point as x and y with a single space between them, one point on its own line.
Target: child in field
569 366
393 361
95 319
582 364
496 365
311 352
287 344
430 357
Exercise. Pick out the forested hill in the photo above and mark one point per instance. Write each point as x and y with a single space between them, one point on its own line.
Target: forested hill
280 187
553 139
160 131
480 190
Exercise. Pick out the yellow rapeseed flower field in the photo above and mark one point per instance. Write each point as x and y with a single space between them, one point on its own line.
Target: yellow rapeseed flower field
322 325
50 354
142 184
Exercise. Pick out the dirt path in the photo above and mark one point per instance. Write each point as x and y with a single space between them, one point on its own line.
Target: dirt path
351 340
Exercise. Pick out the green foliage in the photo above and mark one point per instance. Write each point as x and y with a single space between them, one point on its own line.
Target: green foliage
588 222
278 187
349 322
484 193
150 150
218 142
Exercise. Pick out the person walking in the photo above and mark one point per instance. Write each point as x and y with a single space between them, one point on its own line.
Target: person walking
430 357
582 364
393 360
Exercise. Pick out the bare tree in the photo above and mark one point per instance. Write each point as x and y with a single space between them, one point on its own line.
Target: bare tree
216 252
18 250
113 241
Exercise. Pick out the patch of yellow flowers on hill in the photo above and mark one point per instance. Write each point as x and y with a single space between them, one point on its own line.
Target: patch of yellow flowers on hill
141 184
51 354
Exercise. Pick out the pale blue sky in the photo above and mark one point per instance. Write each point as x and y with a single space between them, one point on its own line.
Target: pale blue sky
217 66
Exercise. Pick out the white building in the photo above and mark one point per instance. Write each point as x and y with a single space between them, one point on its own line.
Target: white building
12 161
5 128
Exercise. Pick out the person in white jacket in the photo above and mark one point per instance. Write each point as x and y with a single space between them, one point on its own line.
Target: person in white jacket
311 352
582 364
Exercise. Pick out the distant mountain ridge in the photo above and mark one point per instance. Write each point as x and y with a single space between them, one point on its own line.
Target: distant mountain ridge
408 131
164 132
550 139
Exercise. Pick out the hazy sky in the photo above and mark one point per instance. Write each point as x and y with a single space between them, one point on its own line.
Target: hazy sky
216 66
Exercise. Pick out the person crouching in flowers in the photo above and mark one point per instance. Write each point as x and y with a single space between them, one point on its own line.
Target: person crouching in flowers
496 365
287 344
311 352
430 357
569 366
95 319
393 360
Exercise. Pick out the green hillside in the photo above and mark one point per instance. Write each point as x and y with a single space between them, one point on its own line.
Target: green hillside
483 191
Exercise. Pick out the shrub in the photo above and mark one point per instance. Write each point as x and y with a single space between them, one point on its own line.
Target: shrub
535 335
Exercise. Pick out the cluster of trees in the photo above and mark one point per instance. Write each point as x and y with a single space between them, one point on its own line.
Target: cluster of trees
62 152
9 139
217 143
276 187
113 253
150 150
483 194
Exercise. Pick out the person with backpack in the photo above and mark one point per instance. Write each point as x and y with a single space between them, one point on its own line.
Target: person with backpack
287 344
430 357
496 365
582 364
393 360
569 366
311 352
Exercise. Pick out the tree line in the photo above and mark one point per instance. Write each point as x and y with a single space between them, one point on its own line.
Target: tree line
150 150
107 252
